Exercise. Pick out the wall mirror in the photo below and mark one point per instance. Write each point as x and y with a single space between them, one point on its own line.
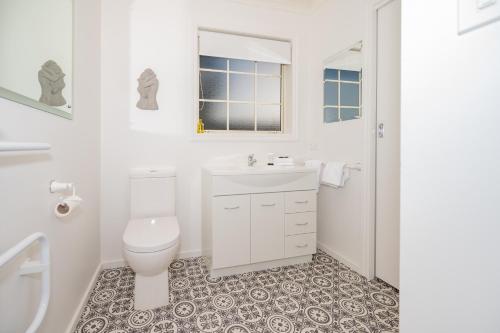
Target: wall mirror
342 85
36 54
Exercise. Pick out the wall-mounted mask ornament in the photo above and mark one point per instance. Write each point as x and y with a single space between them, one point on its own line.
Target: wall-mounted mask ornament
148 87
51 78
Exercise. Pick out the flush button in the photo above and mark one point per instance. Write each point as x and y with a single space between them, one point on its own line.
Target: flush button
473 14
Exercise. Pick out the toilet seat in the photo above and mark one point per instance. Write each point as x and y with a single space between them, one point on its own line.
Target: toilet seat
151 234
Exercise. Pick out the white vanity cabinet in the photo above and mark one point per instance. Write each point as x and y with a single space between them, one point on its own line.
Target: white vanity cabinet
255 219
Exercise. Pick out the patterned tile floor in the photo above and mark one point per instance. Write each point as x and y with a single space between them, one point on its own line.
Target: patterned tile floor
318 297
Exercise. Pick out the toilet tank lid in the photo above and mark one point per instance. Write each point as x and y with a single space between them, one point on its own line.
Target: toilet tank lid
161 172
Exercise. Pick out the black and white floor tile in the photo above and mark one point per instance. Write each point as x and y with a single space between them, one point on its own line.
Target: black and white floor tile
318 297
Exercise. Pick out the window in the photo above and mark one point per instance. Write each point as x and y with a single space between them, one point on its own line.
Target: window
242 83
240 95
341 95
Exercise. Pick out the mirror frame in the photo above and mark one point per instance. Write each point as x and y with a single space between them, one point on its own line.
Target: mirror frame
24 100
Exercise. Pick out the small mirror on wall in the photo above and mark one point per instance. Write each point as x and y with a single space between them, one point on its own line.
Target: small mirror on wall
342 85
36 54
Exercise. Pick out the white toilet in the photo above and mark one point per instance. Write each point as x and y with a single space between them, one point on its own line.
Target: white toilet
151 239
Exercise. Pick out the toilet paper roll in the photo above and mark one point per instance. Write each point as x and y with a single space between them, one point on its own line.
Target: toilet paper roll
66 206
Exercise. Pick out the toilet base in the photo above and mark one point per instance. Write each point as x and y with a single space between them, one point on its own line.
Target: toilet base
151 291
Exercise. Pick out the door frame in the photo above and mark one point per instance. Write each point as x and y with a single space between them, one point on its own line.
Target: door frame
370 145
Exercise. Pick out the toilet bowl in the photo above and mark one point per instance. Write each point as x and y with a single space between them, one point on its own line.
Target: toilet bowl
151 238
149 246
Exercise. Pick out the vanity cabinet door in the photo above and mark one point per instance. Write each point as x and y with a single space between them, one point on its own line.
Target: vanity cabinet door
268 227
231 231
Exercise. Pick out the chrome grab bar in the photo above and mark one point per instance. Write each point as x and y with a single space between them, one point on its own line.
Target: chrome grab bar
33 267
23 146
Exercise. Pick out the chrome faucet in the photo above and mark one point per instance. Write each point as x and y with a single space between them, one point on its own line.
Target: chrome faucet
251 160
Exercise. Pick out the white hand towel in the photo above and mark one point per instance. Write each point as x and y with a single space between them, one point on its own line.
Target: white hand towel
335 174
315 164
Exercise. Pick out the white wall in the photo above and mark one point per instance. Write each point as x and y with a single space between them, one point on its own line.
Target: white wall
335 26
164 137
26 204
450 172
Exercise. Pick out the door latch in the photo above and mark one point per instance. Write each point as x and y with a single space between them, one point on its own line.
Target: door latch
381 130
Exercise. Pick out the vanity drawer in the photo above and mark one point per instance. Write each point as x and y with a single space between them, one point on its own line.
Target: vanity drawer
300 245
300 201
300 223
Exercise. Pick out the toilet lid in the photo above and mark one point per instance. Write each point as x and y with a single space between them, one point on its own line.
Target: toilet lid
151 234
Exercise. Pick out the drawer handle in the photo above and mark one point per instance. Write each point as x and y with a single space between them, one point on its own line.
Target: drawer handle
302 224
268 205
231 208
302 202
301 246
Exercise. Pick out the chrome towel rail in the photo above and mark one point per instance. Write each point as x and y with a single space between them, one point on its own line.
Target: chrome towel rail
353 166
34 267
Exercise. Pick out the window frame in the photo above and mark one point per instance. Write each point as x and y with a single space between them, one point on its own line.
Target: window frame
227 71
290 124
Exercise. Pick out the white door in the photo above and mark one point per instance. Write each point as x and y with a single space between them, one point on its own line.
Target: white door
268 227
388 142
231 231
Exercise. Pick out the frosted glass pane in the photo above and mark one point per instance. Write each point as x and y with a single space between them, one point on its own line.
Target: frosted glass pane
269 90
242 66
213 85
213 63
349 114
330 115
349 94
268 68
241 87
241 117
269 118
349 76
213 115
331 74
331 93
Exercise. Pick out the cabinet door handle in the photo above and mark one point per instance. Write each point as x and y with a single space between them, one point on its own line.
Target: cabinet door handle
231 208
302 202
268 205
301 246
302 224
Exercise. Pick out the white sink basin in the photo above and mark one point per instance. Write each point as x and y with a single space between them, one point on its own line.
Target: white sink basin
231 170
233 179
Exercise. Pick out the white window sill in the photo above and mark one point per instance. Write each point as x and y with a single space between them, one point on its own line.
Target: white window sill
235 137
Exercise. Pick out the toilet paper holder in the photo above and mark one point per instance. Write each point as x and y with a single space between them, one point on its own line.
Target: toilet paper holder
60 187
66 204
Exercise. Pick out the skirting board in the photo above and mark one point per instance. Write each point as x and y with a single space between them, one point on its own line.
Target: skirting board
121 262
78 312
339 257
